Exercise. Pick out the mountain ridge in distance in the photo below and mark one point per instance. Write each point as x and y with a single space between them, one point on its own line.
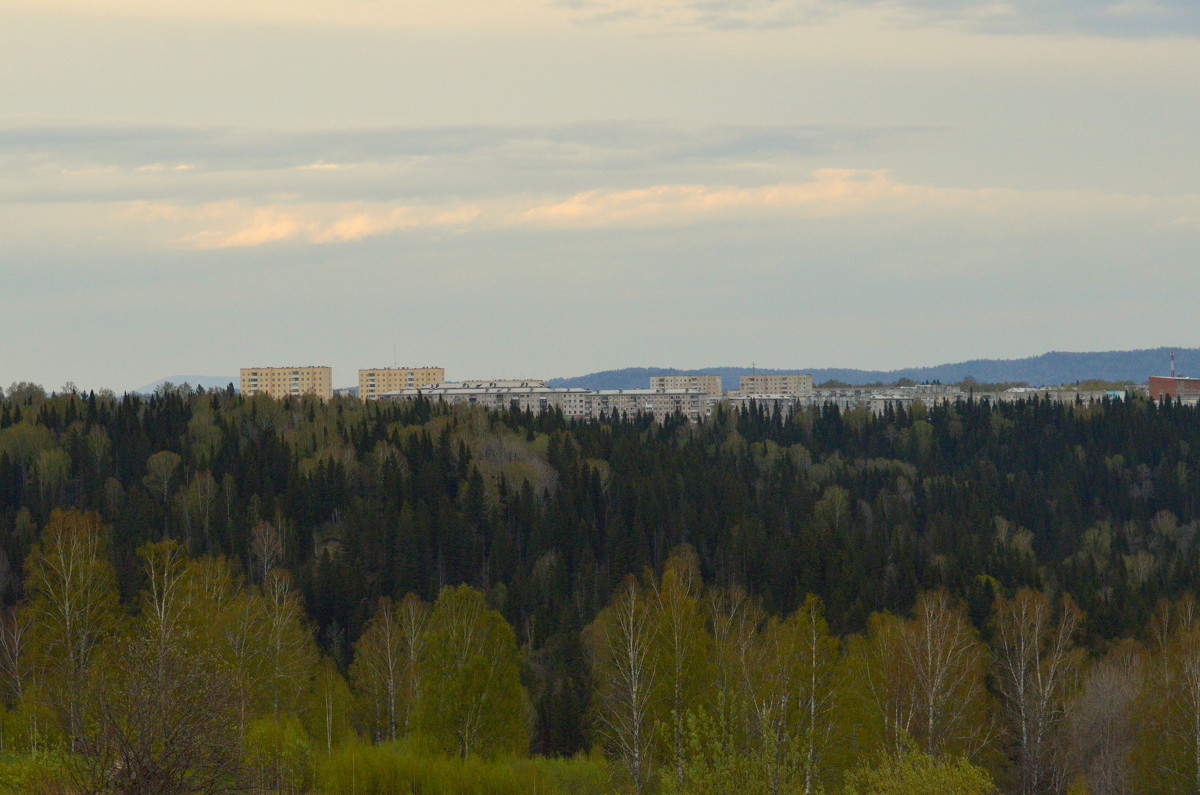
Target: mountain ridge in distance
1052 368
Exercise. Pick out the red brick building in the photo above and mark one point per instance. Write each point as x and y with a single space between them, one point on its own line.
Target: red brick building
1169 387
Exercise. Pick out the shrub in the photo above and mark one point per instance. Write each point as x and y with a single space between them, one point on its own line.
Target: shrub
405 767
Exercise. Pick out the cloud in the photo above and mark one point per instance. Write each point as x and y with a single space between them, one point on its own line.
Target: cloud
54 161
1117 18
1098 17
43 140
235 224
478 14
829 194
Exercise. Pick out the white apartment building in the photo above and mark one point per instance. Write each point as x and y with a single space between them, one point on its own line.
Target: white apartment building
662 403
531 395
576 403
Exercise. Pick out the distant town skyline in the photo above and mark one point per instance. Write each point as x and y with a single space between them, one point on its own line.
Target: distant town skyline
554 188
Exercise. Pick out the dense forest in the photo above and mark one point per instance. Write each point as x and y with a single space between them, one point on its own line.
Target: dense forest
997 595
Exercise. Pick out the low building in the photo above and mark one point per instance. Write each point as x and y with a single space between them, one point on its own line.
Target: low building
533 395
1055 394
785 404
708 383
528 395
504 383
281 382
1174 388
375 382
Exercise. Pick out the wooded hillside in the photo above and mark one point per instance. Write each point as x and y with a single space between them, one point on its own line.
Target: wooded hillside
1005 587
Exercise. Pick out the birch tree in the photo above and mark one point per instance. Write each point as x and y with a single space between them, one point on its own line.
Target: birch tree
1101 721
1036 666
683 654
926 678
289 648
1167 754
472 701
16 665
795 699
73 602
197 500
160 474
162 718
386 667
620 641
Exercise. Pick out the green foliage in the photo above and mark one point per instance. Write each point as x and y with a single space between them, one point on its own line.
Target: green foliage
720 757
386 670
327 709
471 701
915 773
549 517
277 755
34 773
403 768
73 609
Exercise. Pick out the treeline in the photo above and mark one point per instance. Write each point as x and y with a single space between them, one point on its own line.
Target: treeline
208 683
699 690
356 502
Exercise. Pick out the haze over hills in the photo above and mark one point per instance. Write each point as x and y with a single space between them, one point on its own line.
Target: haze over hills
1055 367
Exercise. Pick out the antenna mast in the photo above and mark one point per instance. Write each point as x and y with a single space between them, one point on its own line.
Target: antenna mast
1172 364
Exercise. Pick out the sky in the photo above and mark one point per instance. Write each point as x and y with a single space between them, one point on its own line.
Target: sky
541 188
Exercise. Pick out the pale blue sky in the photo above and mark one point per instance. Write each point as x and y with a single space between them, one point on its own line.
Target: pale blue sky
550 188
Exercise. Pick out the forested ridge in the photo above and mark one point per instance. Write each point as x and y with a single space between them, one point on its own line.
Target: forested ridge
807 601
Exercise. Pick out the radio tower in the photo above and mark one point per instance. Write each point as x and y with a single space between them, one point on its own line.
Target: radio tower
1172 364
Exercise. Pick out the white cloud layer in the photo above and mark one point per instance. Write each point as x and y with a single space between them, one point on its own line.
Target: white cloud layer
1095 17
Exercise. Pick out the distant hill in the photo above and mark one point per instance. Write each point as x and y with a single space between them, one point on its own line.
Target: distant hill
206 381
1056 367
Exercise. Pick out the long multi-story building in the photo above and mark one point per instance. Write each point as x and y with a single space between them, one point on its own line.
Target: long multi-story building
281 382
530 394
578 403
794 384
708 383
662 403
375 382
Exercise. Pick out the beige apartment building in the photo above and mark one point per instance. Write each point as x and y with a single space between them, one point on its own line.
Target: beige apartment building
281 382
707 383
381 380
797 384
794 384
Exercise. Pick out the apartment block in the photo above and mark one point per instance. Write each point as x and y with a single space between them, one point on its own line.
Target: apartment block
794 384
376 382
661 403
708 383
577 403
281 382
531 395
